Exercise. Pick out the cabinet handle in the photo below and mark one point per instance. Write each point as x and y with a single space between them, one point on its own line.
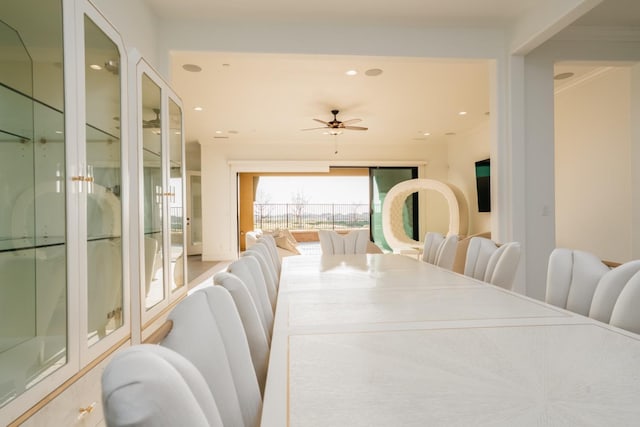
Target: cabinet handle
77 178
83 412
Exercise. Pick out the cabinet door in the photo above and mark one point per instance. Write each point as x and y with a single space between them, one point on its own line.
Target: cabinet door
153 197
161 175
177 278
33 233
102 195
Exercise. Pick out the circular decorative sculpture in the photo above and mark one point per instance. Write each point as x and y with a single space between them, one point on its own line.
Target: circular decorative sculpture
392 224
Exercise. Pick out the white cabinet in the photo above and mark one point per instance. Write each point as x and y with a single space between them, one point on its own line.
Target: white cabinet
64 249
161 196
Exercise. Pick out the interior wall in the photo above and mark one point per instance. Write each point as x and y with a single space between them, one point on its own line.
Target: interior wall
463 151
593 167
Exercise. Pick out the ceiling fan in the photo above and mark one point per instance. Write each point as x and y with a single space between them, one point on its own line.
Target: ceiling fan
153 123
335 126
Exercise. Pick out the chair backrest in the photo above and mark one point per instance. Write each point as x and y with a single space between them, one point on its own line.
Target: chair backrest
248 270
625 313
261 253
208 331
572 278
503 265
254 326
432 241
446 253
478 254
609 288
262 247
271 244
148 385
354 242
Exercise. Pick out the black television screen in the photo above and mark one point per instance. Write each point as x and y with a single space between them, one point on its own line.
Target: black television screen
483 185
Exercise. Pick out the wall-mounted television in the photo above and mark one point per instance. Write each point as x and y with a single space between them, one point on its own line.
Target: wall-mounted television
483 185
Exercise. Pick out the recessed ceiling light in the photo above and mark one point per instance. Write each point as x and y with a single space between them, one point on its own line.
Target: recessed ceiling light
218 132
462 113
178 132
372 72
192 68
426 134
351 73
95 67
198 108
563 76
59 132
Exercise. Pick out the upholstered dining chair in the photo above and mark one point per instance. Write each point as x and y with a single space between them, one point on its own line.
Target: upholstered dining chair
478 253
261 253
609 288
254 326
503 265
446 252
271 244
572 278
491 263
625 313
432 241
248 269
354 242
152 386
207 330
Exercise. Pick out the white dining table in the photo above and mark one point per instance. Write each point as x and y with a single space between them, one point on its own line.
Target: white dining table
388 340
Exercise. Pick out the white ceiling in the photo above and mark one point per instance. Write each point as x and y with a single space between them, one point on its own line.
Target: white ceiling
270 97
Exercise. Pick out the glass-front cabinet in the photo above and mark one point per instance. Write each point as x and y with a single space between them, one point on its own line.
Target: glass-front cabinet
161 186
63 292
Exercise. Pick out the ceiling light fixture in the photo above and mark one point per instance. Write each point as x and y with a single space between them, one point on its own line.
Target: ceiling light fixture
462 113
95 67
426 134
351 73
198 108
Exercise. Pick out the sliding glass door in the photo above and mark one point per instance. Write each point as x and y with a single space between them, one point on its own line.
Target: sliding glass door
381 180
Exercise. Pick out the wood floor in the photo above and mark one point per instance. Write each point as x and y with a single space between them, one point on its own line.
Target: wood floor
199 271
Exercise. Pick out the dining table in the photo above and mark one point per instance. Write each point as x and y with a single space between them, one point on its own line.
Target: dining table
389 340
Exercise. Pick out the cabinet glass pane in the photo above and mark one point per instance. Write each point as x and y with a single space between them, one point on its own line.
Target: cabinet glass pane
153 192
103 184
176 208
33 300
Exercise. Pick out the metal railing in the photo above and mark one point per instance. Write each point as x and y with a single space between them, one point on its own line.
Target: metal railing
310 216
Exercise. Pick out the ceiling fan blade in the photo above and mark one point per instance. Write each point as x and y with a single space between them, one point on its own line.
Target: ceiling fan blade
351 121
323 127
321 121
356 128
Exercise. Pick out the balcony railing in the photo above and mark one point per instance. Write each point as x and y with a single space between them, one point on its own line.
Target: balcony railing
310 216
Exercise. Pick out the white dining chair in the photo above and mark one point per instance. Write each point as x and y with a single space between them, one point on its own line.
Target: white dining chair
208 331
152 386
503 265
446 253
609 288
271 244
261 253
333 243
254 327
432 241
626 314
572 278
248 270
478 254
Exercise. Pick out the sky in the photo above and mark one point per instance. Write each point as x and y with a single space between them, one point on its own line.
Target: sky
330 189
